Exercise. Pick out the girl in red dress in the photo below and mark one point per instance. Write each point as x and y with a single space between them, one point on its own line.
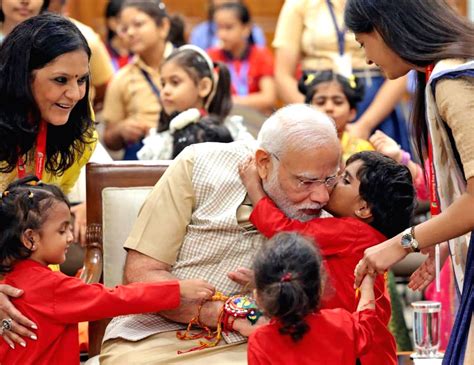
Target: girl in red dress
35 231
289 282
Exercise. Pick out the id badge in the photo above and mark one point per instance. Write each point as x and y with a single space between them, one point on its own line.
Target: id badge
343 65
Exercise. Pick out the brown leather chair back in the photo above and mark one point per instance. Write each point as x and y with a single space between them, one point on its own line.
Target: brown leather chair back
99 176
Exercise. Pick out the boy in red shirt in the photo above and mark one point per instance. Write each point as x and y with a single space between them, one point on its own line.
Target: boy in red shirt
374 199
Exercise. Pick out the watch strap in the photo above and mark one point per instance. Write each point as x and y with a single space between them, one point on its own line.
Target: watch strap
414 243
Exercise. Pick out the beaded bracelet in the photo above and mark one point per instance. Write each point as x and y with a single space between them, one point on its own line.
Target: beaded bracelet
240 306
237 306
374 301
406 157
203 331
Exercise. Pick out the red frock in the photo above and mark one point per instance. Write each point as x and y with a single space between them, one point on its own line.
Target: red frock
335 337
342 242
56 303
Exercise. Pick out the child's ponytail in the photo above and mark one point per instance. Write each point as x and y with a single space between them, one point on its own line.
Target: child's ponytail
221 98
294 306
288 279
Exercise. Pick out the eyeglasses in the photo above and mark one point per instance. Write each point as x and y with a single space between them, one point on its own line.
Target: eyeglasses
309 184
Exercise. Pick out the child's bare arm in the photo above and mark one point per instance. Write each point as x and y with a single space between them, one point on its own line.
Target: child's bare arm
367 297
251 180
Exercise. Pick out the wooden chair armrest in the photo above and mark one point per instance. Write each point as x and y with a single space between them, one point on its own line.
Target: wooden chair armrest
92 269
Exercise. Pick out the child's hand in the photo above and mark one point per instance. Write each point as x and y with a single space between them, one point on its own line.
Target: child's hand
243 276
245 328
367 298
196 289
251 179
248 173
132 130
367 284
386 145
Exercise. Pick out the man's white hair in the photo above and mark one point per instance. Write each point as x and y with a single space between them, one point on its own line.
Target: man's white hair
297 127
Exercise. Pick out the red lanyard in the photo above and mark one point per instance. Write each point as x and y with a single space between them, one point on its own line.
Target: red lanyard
434 201
40 153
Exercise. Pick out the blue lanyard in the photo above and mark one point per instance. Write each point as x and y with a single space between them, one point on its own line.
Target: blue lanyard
240 81
155 89
341 41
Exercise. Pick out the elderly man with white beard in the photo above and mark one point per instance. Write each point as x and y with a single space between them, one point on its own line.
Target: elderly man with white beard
195 224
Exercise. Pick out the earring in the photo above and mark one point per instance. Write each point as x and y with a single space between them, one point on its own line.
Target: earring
33 247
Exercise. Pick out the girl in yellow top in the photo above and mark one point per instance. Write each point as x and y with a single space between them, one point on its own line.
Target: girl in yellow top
336 96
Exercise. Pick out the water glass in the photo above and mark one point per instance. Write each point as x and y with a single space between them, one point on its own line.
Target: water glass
426 328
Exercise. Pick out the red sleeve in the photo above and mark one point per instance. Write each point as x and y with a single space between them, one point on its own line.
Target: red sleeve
266 62
334 236
384 347
364 326
255 353
75 301
383 303
215 54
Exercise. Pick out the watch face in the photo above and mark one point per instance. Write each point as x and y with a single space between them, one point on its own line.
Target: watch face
406 240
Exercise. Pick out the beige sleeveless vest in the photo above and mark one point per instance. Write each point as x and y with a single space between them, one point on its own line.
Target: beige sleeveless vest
215 243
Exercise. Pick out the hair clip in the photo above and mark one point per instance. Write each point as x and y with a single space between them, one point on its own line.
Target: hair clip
30 195
162 5
352 81
309 79
286 277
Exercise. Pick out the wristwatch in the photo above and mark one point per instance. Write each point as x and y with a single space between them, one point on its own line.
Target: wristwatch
408 240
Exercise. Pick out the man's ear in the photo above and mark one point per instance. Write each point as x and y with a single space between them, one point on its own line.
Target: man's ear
263 161
204 87
29 238
363 211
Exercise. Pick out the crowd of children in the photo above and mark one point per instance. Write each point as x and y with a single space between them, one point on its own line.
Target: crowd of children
165 96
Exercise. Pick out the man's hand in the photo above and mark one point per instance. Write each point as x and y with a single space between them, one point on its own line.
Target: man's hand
243 276
20 325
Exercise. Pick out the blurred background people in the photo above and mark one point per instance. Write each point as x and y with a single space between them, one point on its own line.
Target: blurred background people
250 66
